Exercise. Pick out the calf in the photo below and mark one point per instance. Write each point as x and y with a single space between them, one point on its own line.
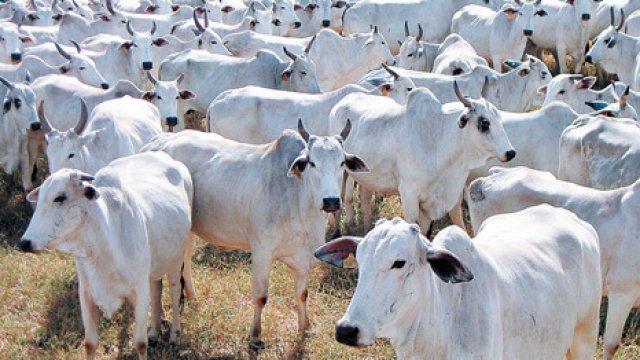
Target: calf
539 261
127 228
510 190
291 183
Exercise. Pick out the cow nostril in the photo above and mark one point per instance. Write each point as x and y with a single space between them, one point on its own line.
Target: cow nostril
510 155
25 245
36 126
528 32
172 121
586 16
16 56
297 24
347 334
147 65
588 59
326 23
105 86
331 205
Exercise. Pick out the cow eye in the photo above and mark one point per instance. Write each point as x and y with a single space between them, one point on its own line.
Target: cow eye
409 89
159 97
383 43
484 125
82 67
1 38
18 103
60 199
71 156
410 55
303 73
561 92
214 42
312 164
398 264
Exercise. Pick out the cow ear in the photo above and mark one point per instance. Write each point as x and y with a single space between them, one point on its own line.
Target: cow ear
126 46
298 166
227 9
510 12
90 192
26 39
64 69
285 75
462 122
339 251
6 106
32 197
89 137
297 7
524 72
148 95
160 42
187 94
339 4
355 164
151 9
586 83
447 266
542 90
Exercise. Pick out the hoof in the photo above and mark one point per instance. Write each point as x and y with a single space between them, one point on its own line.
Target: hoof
256 345
153 341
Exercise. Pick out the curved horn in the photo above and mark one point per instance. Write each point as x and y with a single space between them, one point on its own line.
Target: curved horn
78 48
621 20
391 71
180 78
303 132
6 83
611 17
46 126
75 4
308 48
130 28
462 99
293 56
154 27
406 29
538 2
375 29
151 78
197 22
485 87
109 5
82 123
420 33
61 51
206 19
34 5
346 130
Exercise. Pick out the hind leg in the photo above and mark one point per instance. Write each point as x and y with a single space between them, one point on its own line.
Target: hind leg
585 337
189 289
619 307
156 311
175 290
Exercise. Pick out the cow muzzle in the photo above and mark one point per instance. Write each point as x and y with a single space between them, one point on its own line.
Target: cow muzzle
26 245
347 334
326 23
588 59
35 126
508 156
585 17
104 86
527 32
16 57
297 24
330 205
147 65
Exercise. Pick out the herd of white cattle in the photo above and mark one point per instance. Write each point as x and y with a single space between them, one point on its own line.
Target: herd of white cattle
304 100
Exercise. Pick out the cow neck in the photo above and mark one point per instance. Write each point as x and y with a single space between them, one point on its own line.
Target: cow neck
632 46
507 90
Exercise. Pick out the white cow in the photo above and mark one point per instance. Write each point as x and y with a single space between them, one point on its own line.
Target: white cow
36 67
169 99
127 228
284 17
600 152
516 90
208 75
12 42
601 17
497 36
18 125
510 190
114 129
575 90
290 184
527 288
247 44
318 14
344 60
440 144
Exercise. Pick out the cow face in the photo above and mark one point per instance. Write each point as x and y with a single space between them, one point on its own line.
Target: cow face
212 42
523 14
12 41
321 166
574 90
377 49
396 268
260 18
300 75
19 107
169 99
411 54
60 213
398 87
284 14
138 49
584 9
606 50
534 73
81 66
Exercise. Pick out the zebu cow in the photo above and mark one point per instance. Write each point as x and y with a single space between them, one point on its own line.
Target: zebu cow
169 99
538 262
298 180
127 227
509 190
12 42
575 90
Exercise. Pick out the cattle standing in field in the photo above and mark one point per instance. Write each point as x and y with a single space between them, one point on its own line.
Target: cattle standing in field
441 143
114 129
509 190
127 228
528 289
291 184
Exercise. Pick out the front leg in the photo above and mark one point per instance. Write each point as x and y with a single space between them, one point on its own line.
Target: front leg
300 266
26 168
140 302
90 318
561 57
260 268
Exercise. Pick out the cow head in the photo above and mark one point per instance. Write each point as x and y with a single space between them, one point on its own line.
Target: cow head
112 15
606 48
18 106
68 149
321 165
375 46
398 269
531 74
60 213
522 12
12 41
411 54
300 74
584 8
284 14
259 18
168 97
620 108
574 90
483 124
207 39
81 66
138 49
398 88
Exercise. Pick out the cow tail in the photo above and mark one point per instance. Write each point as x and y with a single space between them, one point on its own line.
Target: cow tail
182 288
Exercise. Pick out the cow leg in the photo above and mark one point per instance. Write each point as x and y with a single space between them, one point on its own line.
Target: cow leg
349 185
141 314
365 207
410 206
585 337
578 57
425 221
260 267
156 310
189 289
618 310
561 56
456 214
90 317
300 270
26 166
175 290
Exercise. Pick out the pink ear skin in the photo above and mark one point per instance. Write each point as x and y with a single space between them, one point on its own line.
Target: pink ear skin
336 251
